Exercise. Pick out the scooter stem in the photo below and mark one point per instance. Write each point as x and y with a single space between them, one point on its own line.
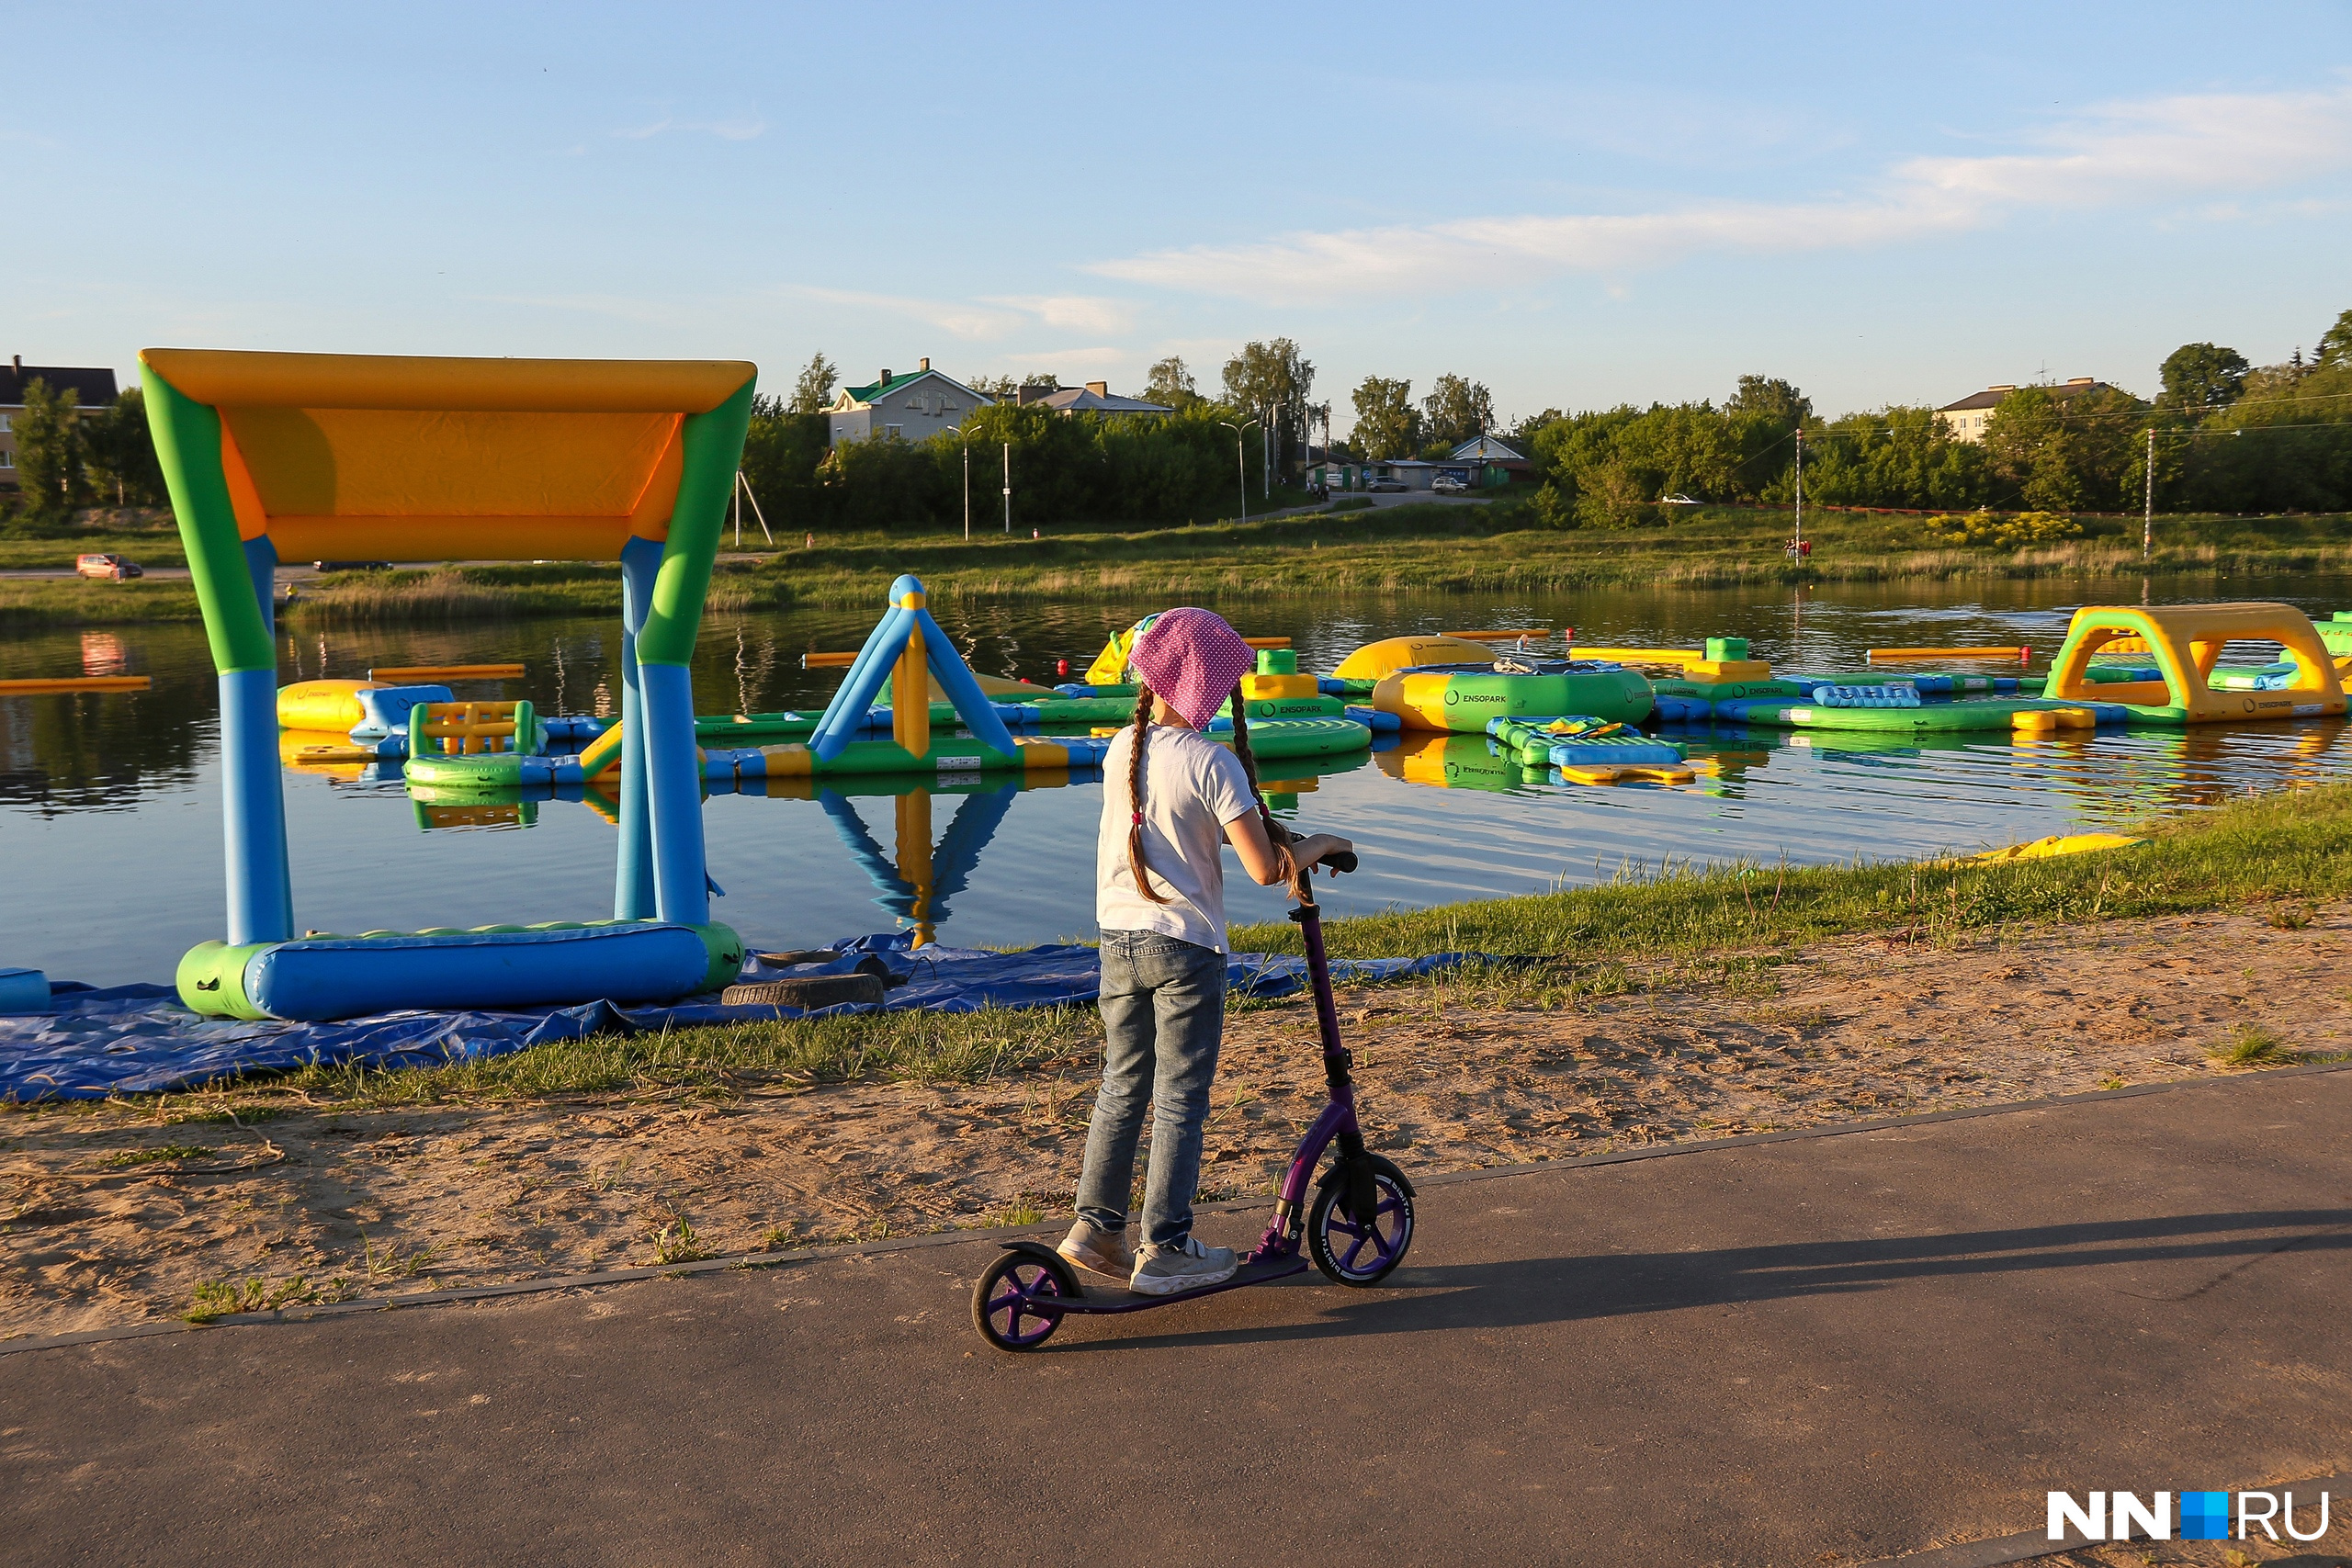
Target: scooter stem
1318 973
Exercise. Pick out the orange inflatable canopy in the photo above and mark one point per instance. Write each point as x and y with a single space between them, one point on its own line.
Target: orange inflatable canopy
356 457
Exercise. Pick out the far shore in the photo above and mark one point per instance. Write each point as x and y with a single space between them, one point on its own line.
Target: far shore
1490 548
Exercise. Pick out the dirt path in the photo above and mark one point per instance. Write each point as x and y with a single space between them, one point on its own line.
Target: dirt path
108 1217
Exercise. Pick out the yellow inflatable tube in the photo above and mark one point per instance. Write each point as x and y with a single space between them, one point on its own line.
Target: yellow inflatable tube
322 705
1376 660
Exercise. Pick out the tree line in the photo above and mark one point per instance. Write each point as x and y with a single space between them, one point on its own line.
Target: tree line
1191 464
68 459
2224 436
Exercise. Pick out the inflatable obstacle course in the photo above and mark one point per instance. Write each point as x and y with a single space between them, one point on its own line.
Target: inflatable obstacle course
271 457
2185 644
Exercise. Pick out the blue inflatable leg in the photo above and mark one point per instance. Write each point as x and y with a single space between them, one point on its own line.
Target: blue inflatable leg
845 715
633 878
673 794
253 809
261 560
954 678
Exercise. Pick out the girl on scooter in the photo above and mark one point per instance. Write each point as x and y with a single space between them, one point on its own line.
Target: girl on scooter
1170 798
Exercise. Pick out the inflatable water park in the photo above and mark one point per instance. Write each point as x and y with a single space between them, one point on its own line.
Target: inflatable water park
277 457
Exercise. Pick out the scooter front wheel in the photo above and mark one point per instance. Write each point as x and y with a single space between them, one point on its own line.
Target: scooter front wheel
1362 1252
1008 1303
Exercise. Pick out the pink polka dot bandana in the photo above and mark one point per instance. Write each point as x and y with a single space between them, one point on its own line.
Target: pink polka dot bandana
1193 659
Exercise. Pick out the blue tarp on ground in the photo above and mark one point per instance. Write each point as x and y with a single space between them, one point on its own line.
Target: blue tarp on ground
139 1039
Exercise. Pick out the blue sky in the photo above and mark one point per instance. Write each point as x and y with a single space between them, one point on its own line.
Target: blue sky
1575 206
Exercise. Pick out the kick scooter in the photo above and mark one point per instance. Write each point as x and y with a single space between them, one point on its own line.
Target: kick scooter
1356 1228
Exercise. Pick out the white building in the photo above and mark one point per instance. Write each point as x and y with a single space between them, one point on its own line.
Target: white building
1967 419
910 407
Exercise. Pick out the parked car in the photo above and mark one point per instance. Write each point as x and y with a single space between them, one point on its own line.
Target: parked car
1450 487
106 566
1386 486
1678 499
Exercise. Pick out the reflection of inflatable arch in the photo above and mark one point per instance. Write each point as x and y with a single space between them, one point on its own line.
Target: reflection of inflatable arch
917 886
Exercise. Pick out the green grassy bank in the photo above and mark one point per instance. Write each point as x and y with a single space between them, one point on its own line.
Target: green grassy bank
2282 853
1491 547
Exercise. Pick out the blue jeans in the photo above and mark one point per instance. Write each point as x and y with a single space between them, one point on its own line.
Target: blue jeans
1163 1022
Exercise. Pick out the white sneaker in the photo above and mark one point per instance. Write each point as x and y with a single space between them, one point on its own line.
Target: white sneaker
1103 1252
1181 1266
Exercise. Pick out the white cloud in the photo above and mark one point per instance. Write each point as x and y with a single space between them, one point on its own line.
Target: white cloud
1104 358
1075 313
995 316
973 324
737 127
2158 149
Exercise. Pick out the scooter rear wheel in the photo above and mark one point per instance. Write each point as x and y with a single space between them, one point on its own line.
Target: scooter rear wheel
1350 1253
1005 1302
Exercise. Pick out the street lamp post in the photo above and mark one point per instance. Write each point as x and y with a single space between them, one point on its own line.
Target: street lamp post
1241 461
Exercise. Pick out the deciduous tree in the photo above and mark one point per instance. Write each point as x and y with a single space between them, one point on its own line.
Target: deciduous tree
49 452
1388 425
813 392
1169 381
1456 409
2203 376
1272 380
121 452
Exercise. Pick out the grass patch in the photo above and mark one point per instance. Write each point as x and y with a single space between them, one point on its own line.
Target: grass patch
677 1243
162 548
718 1060
220 1298
1725 928
2293 847
2252 1045
122 1158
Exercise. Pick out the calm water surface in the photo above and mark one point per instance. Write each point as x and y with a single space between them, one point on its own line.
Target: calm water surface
110 817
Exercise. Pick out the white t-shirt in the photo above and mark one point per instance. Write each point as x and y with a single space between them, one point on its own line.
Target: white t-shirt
1191 788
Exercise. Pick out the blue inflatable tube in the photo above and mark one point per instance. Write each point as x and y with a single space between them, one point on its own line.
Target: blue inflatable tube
1684 710
355 977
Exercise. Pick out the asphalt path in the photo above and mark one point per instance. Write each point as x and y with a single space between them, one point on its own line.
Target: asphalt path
1826 1349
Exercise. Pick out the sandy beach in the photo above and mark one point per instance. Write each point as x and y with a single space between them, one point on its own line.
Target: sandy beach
114 1214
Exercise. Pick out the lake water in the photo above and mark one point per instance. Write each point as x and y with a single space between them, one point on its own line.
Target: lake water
110 819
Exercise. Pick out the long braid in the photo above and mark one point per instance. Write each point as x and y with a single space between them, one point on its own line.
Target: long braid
1136 866
1276 834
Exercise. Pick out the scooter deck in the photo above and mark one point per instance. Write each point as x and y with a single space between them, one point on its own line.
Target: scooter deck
1103 1297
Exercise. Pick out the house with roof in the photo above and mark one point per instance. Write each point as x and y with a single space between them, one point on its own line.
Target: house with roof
1485 461
1967 418
1095 397
915 406
97 390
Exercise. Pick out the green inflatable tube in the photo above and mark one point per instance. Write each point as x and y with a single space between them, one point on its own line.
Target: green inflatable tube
1991 713
456 774
1304 738
1463 698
